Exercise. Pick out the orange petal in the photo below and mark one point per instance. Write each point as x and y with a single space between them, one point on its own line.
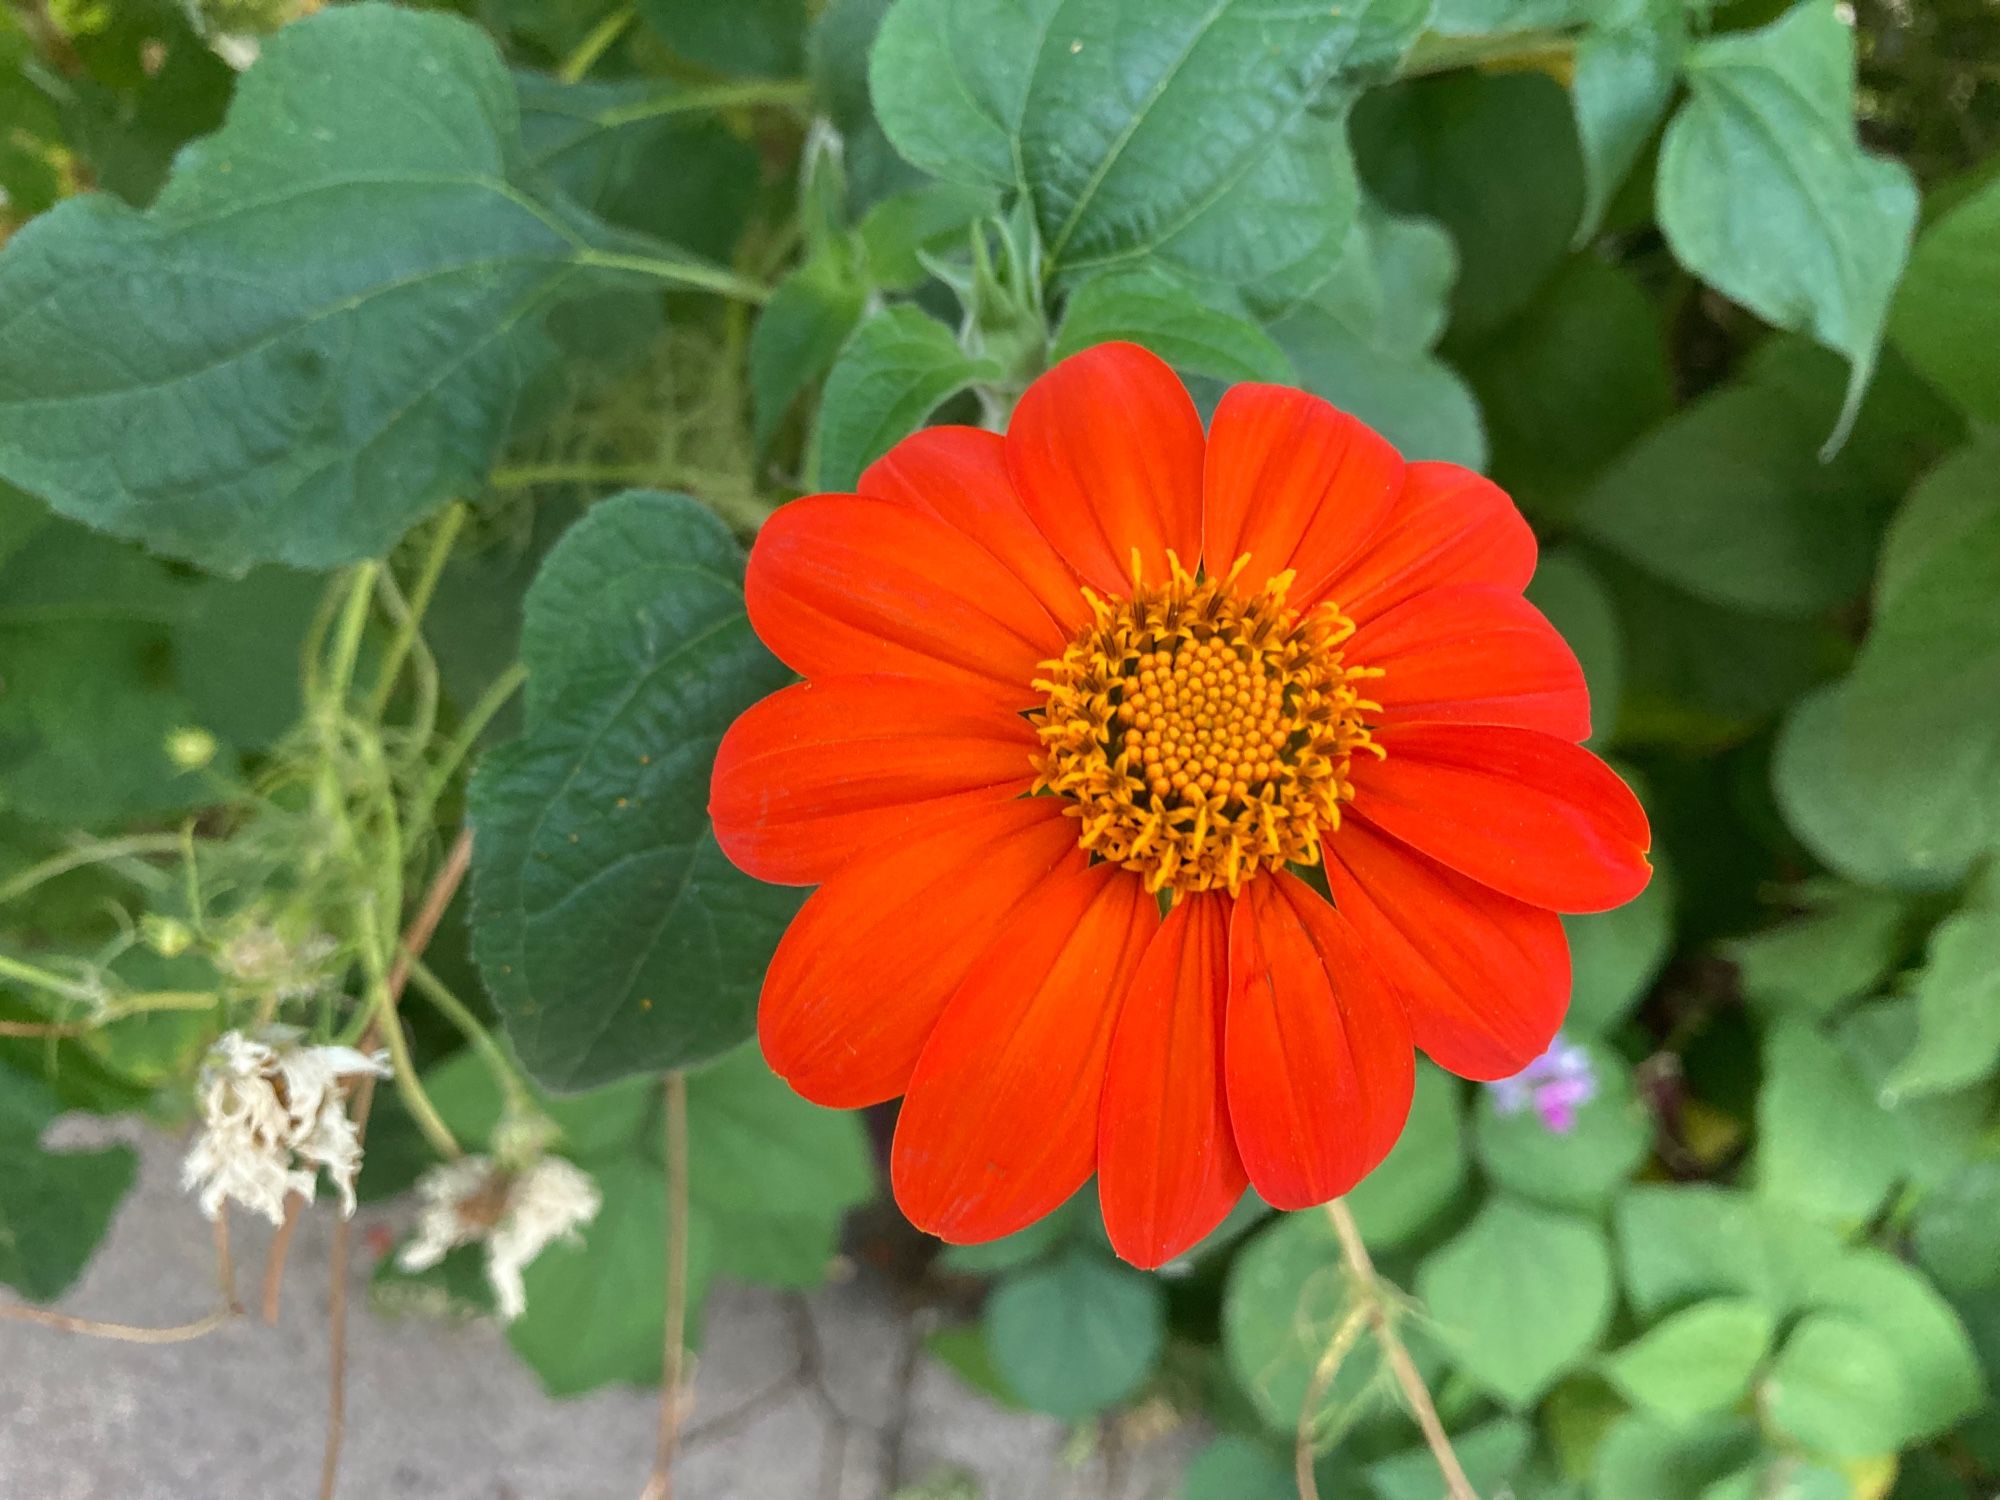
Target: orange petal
959 474
820 771
1294 482
864 971
1167 1169
1000 1125
1449 525
842 585
1106 452
1532 816
1484 979
1473 654
1317 1053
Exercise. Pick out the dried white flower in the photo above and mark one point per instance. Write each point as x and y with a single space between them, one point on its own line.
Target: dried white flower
273 1113
262 958
518 1215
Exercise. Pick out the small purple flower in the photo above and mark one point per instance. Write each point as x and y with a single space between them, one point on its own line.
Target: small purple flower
1557 1084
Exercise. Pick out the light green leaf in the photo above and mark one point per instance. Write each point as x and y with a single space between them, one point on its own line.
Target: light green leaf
1681 1243
1491 1453
1234 1468
1764 194
1837 1388
1958 1007
1947 316
1643 1458
612 933
1822 1149
1076 1335
1422 1172
1577 1168
1191 330
1622 82
1696 1361
798 336
900 230
1567 589
1958 1227
1012 1251
896 369
1615 956
1892 775
1936 1134
1558 1302
1286 1296
950 81
1416 401
1834 951
319 332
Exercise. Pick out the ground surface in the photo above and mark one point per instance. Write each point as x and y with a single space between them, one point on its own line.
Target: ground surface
821 1398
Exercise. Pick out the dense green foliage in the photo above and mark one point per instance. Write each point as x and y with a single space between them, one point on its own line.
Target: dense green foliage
345 395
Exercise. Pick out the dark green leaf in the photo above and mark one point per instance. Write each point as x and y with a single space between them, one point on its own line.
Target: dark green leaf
1558 1303
1764 194
1076 1335
1197 333
1286 1296
54 1206
1567 589
1958 1225
1947 316
1834 951
1616 955
897 369
1643 1458
1491 1453
798 335
1234 1468
614 936
898 231
764 38
319 331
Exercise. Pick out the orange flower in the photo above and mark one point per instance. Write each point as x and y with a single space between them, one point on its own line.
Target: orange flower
1060 680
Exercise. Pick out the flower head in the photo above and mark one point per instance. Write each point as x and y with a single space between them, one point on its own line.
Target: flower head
1558 1084
1107 663
518 1214
273 1114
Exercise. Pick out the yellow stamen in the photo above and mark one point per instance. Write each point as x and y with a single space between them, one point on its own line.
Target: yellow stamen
1202 732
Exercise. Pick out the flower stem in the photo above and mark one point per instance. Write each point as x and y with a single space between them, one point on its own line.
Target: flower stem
1415 1393
435 556
97 852
512 1086
353 621
780 93
674 1348
685 273
477 718
1335 1354
595 44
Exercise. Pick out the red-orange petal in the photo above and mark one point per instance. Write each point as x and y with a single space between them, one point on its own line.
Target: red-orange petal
1449 525
848 584
1317 1052
1295 483
1484 979
820 771
959 474
863 973
1532 816
1000 1125
1473 654
1167 1168
1105 451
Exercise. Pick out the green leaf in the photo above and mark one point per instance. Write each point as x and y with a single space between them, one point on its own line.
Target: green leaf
1160 129
1947 316
1570 383
837 51
635 155
1567 589
900 230
1958 1007
54 1205
1076 1335
1936 1134
1836 950
1822 1150
612 933
318 333
1286 1296
1491 1453
1893 774
1360 328
1696 1361
1643 1458
1958 1224
1492 157
1558 1304
1194 332
1577 1168
1837 1388
1682 1243
1621 84
764 38
1615 956
1764 194
896 369
1423 1171
1012 1251
798 335
1234 1468
1938 1377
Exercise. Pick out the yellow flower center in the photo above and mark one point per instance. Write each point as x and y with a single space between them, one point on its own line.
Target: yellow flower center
1202 733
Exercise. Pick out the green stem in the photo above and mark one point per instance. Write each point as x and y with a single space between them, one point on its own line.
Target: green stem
477 718
96 853
382 1011
782 93
1446 54
435 557
45 979
347 636
512 1085
523 476
689 274
595 44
